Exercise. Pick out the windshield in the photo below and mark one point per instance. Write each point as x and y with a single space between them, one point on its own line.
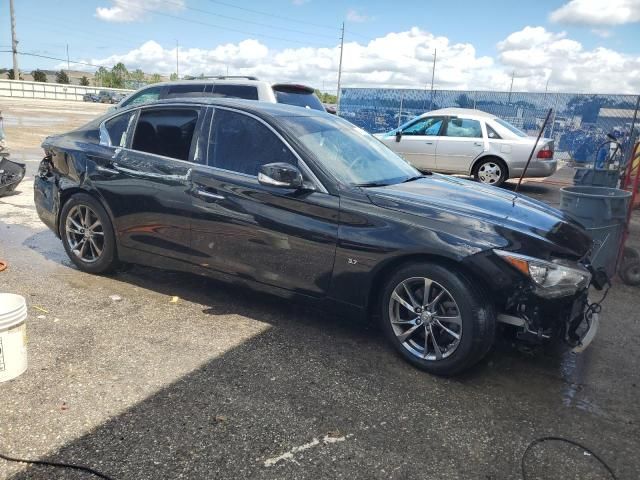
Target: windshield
510 127
349 153
299 99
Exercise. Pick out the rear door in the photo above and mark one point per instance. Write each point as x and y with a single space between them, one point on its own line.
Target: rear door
419 142
143 176
461 142
281 237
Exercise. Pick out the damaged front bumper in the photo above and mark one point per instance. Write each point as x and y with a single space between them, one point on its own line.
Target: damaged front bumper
572 320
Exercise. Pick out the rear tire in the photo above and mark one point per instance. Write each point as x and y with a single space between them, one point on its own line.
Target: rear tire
87 234
445 332
491 171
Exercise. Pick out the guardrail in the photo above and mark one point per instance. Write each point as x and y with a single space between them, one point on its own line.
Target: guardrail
53 91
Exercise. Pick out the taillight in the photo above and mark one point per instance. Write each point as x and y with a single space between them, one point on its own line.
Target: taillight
545 152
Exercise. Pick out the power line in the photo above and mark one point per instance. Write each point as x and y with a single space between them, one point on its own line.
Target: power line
260 24
274 16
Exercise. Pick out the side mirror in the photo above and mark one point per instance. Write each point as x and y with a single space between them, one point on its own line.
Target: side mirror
283 175
398 135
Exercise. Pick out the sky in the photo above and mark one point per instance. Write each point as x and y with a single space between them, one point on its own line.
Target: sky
559 45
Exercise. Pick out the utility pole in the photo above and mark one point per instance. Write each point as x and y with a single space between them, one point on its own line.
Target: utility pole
14 42
513 74
340 70
433 76
68 67
177 61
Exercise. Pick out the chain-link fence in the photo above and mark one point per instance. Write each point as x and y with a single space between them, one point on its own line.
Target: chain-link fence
579 124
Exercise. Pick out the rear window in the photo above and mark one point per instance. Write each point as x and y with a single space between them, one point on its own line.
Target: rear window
236 91
194 90
299 98
510 127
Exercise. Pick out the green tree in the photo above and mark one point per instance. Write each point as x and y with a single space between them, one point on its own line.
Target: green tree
11 75
102 77
173 77
119 75
155 78
62 77
39 76
137 75
326 97
84 81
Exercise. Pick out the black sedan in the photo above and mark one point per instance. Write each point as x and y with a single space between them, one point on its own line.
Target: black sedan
302 202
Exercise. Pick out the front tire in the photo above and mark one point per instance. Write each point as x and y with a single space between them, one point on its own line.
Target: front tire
491 171
437 318
87 234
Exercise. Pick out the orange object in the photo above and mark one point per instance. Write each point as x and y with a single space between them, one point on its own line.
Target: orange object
3 265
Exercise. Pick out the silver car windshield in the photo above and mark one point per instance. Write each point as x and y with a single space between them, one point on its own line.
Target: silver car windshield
510 127
349 153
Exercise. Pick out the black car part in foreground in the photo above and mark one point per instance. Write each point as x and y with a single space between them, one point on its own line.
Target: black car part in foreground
11 174
299 202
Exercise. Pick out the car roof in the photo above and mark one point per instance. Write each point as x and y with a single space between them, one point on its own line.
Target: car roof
251 106
466 112
228 81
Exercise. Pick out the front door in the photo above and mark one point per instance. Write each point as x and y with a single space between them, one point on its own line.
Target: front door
418 142
144 179
460 144
277 236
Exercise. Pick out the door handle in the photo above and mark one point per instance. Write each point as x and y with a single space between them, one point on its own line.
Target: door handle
478 144
429 143
205 193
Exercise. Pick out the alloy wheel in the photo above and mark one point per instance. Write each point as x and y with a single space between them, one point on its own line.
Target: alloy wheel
85 233
490 173
425 318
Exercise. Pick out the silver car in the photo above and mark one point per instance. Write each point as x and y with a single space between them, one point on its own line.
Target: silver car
470 142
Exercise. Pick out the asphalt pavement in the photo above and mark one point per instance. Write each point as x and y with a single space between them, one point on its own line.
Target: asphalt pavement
149 374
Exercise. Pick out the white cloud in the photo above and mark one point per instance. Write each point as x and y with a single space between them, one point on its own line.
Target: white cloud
537 55
357 17
602 32
404 59
597 12
135 10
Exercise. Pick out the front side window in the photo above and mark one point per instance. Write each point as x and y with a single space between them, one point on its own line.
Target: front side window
235 91
147 95
114 131
429 126
463 127
347 152
242 144
167 132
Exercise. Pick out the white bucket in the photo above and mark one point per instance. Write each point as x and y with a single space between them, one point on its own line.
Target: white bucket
13 336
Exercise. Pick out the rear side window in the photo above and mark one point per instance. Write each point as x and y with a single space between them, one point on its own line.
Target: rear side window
147 95
236 91
193 90
167 132
298 98
463 127
114 131
242 144
491 133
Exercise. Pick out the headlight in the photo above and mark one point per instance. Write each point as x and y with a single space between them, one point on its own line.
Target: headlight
553 279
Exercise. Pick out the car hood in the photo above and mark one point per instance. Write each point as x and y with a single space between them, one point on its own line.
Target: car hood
497 206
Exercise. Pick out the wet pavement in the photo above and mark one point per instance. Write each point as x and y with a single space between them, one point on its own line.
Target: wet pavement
228 383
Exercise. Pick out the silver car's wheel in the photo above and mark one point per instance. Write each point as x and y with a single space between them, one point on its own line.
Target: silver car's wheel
84 233
490 173
425 318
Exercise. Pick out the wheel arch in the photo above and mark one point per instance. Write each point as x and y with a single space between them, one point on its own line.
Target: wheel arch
480 159
378 280
67 193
